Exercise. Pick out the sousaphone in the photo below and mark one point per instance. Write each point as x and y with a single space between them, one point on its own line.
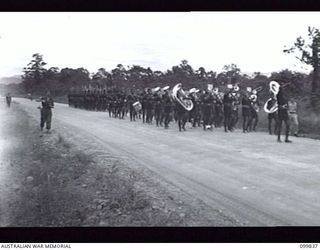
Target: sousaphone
271 104
180 96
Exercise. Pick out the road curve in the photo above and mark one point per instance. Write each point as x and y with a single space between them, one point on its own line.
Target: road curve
249 177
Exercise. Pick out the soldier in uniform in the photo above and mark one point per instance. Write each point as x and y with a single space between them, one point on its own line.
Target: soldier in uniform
46 112
283 115
293 117
121 105
207 102
271 117
149 107
246 113
143 104
8 100
254 109
235 107
157 108
194 113
217 108
165 91
181 115
227 108
132 112
167 109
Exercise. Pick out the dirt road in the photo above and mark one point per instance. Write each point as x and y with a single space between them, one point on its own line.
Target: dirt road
249 178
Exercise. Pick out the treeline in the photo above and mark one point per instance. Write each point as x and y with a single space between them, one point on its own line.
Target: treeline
37 79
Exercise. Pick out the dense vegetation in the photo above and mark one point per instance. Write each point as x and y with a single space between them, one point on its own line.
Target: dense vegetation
38 80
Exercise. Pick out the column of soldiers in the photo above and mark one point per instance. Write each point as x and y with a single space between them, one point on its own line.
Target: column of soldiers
157 106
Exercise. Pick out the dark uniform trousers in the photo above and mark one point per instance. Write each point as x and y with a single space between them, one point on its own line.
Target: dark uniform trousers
272 116
46 116
283 116
227 117
245 117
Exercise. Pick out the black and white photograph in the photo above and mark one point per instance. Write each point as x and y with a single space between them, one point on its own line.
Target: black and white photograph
159 119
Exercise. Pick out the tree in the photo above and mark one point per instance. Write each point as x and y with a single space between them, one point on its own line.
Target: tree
102 78
201 72
182 73
294 79
52 73
119 76
33 73
232 71
308 52
74 78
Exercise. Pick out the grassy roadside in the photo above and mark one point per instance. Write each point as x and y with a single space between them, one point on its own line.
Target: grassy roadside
53 184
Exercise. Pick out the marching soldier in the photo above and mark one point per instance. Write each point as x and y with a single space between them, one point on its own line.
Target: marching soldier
194 113
283 115
207 101
143 103
227 108
254 109
181 114
217 108
131 101
272 117
235 107
167 109
157 109
246 113
149 107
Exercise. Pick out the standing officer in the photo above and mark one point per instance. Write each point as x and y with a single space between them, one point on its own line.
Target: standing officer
8 99
46 112
293 116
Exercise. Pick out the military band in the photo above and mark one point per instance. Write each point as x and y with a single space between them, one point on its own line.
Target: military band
209 108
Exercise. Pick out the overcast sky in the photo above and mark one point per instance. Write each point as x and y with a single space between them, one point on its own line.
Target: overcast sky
252 40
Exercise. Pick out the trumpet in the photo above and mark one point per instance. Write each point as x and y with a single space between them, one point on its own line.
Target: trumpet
258 89
181 97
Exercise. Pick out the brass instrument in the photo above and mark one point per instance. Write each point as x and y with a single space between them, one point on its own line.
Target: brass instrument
194 92
181 97
271 104
236 88
137 106
165 88
155 90
258 89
